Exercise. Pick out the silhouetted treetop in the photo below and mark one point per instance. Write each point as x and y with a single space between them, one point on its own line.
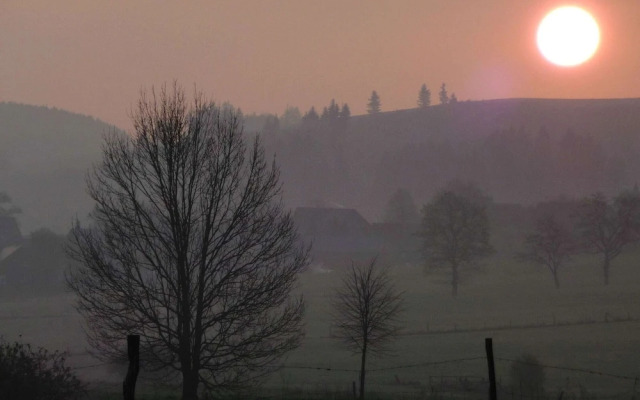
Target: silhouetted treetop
424 97
310 115
373 106
290 118
443 96
345 112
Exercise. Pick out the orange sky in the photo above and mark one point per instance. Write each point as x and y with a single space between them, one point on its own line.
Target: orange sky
93 57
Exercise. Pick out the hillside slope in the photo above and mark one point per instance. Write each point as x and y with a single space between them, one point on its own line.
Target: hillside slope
44 156
518 150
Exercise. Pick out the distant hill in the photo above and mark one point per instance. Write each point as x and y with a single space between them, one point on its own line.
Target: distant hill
518 150
44 156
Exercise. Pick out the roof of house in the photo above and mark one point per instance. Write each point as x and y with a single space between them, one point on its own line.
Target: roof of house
43 252
316 221
335 231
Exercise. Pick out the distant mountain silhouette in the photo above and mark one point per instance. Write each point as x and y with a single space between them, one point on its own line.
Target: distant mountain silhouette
44 156
518 150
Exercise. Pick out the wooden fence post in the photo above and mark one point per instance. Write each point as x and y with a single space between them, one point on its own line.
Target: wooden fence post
488 345
133 350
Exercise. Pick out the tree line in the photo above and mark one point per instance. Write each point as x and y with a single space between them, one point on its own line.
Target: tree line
292 116
596 225
455 229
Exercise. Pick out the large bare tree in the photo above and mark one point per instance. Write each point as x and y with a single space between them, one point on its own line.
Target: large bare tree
607 227
189 247
366 312
455 230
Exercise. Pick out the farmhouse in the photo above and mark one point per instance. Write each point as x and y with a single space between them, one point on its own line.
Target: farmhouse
39 262
341 235
338 235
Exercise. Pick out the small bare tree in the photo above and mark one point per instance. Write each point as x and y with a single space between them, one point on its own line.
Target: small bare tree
190 248
551 245
366 312
606 228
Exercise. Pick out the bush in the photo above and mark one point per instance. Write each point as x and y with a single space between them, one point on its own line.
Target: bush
527 377
29 374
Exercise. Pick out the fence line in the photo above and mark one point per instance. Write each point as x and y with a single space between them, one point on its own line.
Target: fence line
585 371
88 366
544 325
37 316
427 364
510 392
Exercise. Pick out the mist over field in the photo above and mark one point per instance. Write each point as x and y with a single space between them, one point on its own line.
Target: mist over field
357 187
299 200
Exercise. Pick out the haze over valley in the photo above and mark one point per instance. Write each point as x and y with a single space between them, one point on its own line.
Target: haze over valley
290 200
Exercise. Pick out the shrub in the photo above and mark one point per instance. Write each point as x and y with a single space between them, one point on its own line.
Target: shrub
33 374
527 377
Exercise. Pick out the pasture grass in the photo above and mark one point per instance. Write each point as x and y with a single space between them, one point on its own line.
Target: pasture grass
503 292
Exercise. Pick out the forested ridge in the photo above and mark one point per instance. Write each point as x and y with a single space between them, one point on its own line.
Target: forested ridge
517 150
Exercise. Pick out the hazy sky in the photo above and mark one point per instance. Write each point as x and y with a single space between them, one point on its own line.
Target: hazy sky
93 57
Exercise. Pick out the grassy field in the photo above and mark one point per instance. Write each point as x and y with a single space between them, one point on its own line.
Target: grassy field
503 293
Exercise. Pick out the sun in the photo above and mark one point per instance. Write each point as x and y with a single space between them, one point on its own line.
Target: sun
568 36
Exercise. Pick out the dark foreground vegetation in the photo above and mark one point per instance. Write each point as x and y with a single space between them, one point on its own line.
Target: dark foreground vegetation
35 373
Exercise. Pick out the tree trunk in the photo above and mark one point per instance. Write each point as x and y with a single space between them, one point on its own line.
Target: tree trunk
129 384
606 270
454 280
362 370
556 280
190 382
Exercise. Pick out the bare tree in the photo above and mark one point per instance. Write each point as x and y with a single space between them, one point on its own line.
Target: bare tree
551 244
606 228
366 312
455 229
190 248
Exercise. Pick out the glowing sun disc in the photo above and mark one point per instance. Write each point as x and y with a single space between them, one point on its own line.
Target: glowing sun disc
568 36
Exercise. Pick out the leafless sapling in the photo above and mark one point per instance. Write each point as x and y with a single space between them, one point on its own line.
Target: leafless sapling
366 311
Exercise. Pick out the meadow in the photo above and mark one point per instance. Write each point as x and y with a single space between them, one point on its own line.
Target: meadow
584 325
